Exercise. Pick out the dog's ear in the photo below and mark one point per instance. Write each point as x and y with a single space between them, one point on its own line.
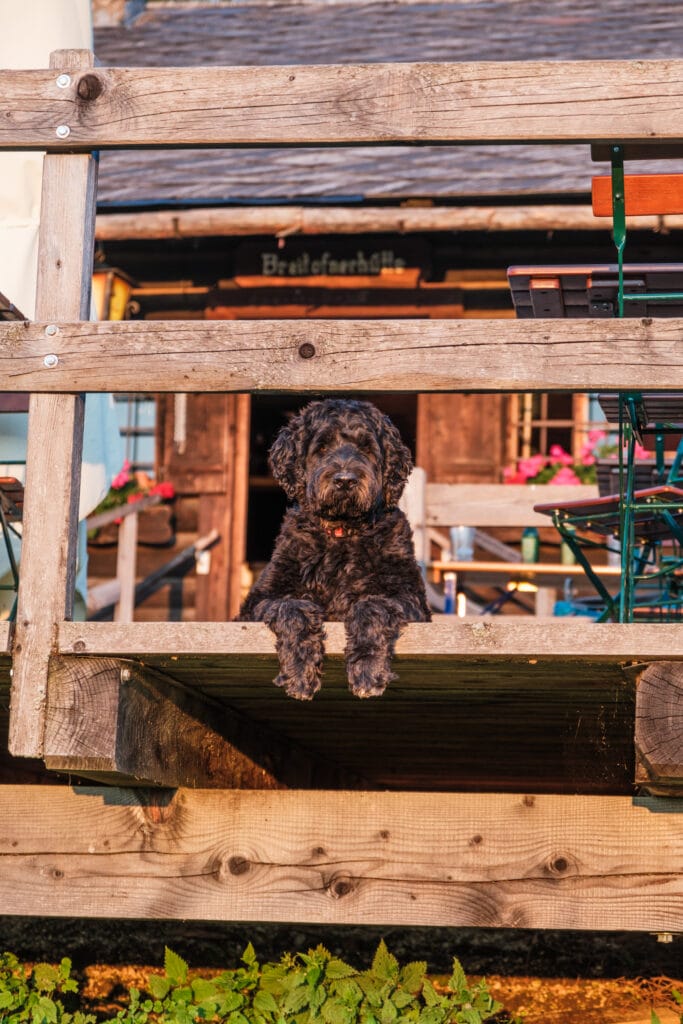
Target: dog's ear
286 458
398 462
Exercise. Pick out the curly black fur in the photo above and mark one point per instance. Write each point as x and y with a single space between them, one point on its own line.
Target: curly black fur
344 552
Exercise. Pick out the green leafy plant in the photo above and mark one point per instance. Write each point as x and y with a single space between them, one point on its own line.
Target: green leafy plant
32 994
678 999
310 988
302 988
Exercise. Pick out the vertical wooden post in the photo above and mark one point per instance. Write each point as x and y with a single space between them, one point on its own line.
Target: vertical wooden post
126 565
55 435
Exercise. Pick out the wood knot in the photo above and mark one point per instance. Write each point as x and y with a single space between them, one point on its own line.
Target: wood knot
340 886
238 865
475 840
79 646
89 87
558 865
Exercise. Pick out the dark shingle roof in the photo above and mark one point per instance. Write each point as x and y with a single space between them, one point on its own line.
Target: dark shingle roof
348 32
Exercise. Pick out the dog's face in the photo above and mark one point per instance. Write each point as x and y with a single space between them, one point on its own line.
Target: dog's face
341 459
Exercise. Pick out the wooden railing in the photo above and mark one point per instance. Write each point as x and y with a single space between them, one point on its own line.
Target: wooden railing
81 690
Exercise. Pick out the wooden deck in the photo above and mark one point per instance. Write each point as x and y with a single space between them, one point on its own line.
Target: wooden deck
490 704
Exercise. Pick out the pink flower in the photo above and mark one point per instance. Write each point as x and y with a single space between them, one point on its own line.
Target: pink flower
122 477
531 466
136 496
595 436
558 454
565 476
640 452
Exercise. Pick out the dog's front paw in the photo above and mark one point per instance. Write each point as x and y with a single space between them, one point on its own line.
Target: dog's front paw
302 686
370 675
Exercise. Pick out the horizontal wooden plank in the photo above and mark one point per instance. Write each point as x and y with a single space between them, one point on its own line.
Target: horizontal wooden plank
356 355
487 505
443 640
314 220
365 858
539 101
644 194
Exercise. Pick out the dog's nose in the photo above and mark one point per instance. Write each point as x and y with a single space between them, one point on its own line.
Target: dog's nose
344 479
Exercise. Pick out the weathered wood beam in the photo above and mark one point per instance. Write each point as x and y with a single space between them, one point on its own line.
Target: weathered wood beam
484 639
487 505
659 728
519 101
284 221
55 435
120 722
411 859
332 355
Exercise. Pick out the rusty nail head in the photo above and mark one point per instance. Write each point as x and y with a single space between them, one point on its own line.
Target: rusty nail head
307 351
50 361
64 81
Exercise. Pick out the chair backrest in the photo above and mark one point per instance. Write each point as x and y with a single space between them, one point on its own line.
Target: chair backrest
644 194
442 506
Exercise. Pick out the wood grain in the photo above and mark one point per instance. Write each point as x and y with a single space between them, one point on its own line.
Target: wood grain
659 728
365 355
482 639
428 859
119 722
535 101
55 439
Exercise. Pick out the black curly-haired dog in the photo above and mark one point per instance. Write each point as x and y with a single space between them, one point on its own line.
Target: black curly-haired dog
344 552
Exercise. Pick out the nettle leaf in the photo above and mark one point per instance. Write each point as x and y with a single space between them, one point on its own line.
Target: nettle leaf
238 1018
412 975
45 977
402 998
388 1013
264 1003
372 989
334 1012
204 989
158 985
336 968
348 989
314 975
249 955
385 964
458 980
46 1010
429 993
230 1001
296 999
470 1016
176 968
